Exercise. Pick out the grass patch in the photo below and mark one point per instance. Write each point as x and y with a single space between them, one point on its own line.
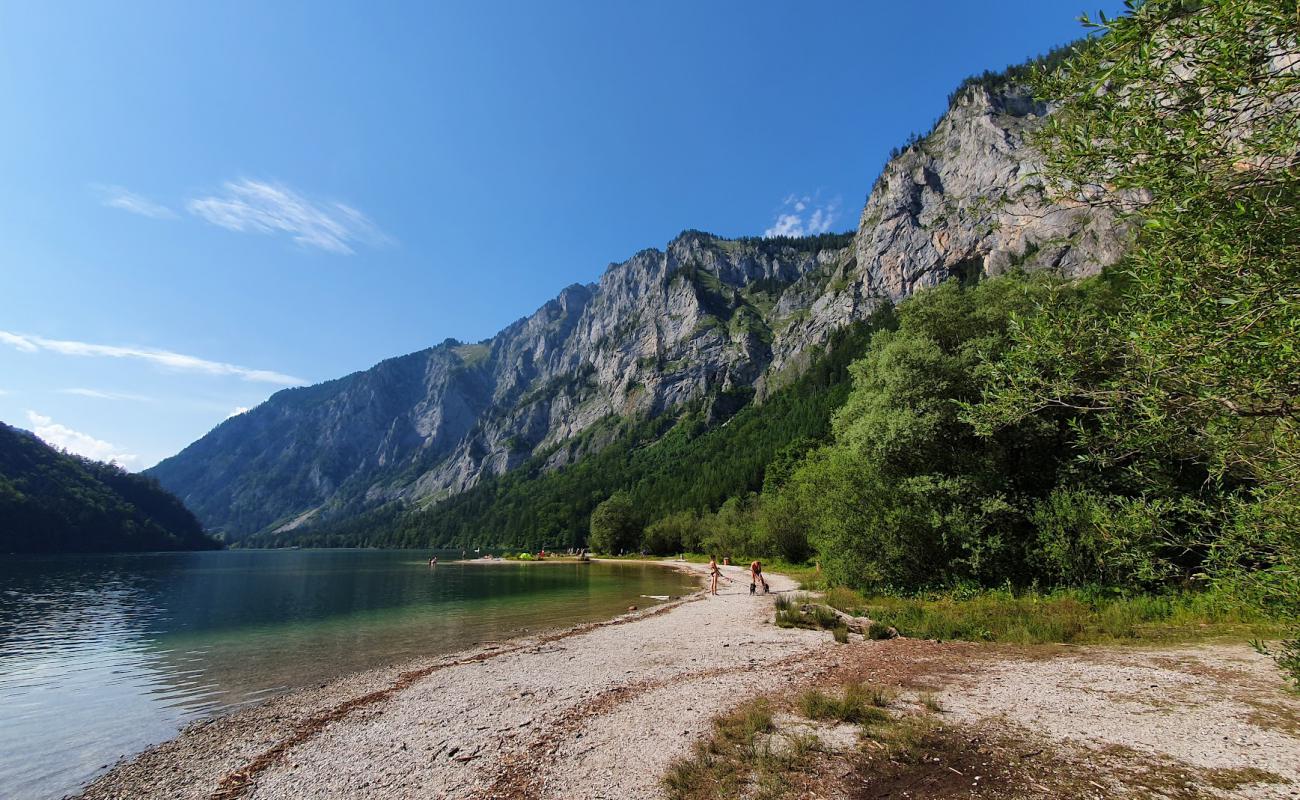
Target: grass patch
904 738
1075 616
1231 779
856 703
790 614
743 757
930 702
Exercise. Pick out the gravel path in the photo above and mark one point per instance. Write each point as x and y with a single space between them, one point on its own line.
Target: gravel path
597 711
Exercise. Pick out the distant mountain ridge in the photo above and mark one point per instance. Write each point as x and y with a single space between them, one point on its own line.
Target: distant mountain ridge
704 319
53 502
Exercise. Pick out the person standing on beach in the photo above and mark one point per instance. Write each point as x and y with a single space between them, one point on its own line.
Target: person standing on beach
714 573
756 576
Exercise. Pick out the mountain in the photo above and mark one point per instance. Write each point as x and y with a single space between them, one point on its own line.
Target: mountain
680 461
56 502
707 321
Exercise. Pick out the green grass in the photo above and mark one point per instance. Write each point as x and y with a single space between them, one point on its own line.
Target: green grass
857 703
1065 616
789 614
739 759
930 702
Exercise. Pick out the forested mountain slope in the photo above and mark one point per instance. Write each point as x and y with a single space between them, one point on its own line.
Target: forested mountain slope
56 502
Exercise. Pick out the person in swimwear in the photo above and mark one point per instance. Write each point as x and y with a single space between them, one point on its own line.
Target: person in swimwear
756 576
715 572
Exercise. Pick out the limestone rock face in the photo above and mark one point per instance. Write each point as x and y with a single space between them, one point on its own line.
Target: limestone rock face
701 317
968 200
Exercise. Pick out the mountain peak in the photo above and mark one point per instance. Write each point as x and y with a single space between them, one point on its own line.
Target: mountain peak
705 315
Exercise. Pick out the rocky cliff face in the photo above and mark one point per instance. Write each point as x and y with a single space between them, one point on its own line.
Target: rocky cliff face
702 318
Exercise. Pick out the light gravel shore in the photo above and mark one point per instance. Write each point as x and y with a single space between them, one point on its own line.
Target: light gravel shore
601 711
596 711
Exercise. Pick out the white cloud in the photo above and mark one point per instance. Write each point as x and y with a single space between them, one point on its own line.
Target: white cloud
794 220
162 358
126 200
237 412
102 395
249 206
83 444
19 342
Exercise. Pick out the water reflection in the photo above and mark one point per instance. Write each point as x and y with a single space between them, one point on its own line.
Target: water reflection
102 655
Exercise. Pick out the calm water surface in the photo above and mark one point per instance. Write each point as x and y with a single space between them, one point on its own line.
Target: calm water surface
101 656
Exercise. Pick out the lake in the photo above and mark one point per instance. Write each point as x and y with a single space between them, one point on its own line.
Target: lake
103 655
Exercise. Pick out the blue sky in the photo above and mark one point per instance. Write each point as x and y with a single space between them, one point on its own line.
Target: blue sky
201 203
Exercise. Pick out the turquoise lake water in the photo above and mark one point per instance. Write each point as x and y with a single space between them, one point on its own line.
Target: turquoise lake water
101 656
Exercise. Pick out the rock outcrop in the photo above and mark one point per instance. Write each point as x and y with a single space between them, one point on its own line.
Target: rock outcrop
702 318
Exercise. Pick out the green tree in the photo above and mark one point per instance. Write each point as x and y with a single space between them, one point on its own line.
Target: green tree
908 494
1182 117
682 531
615 525
783 527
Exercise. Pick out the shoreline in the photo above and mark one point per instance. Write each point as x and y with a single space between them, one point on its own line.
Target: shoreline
604 709
226 755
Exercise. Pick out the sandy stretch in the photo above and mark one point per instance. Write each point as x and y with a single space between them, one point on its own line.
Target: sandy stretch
596 711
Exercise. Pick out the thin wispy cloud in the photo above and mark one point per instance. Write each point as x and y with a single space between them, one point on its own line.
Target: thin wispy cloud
83 444
126 200
804 215
99 394
161 358
237 412
18 342
250 206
